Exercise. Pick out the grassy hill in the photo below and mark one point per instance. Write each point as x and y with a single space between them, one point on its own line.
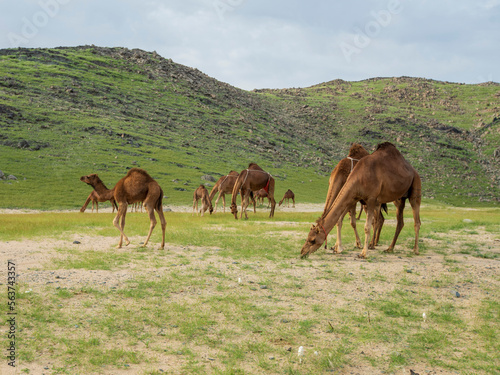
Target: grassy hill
66 112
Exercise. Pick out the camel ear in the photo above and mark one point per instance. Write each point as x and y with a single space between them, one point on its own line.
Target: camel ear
312 227
317 230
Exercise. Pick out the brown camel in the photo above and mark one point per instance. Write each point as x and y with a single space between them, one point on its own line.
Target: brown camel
252 179
288 195
101 194
259 196
338 177
224 186
382 177
137 186
201 193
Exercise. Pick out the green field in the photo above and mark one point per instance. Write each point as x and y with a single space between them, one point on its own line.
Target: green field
229 296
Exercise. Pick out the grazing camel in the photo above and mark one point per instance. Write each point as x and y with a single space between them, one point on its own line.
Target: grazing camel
99 194
382 177
138 186
201 193
252 179
338 177
224 186
288 195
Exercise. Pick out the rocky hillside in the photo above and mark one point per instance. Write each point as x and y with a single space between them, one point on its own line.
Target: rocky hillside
65 112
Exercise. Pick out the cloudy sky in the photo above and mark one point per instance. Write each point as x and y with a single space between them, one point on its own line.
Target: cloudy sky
277 43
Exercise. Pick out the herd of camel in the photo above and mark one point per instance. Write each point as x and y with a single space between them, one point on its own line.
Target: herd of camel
371 179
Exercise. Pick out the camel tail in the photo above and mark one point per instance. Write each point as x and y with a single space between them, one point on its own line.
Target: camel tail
384 207
159 202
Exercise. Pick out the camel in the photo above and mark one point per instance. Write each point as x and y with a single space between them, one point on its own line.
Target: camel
288 195
338 177
137 186
252 179
201 193
382 177
103 195
224 186
259 196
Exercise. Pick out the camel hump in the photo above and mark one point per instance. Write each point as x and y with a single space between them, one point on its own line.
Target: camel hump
254 166
357 151
233 173
138 171
385 145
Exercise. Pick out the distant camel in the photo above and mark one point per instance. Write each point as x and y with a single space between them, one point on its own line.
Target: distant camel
104 195
224 186
252 179
288 195
384 176
201 193
138 186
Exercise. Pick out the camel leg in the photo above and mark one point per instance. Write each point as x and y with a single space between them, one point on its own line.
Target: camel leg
163 223
400 206
245 202
84 207
152 219
368 225
122 211
217 201
338 243
378 230
415 205
377 223
352 216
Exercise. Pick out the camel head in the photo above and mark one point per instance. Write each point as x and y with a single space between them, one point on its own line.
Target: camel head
234 210
91 179
314 240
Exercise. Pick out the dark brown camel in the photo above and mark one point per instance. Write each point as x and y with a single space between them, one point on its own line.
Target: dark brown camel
252 179
138 186
224 186
382 177
99 194
288 195
201 193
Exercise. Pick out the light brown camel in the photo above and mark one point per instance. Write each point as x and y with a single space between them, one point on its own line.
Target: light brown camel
288 195
252 179
224 186
382 177
338 177
201 193
138 186
101 194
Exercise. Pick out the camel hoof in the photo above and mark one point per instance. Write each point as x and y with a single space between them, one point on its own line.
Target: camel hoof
389 251
361 256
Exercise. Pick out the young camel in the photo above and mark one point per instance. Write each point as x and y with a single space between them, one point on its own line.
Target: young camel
288 195
224 186
138 186
99 194
252 179
201 193
259 196
382 177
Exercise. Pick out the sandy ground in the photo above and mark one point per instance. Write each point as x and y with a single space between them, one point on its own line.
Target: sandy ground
31 255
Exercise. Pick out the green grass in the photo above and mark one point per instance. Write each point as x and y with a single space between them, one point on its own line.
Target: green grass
104 110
